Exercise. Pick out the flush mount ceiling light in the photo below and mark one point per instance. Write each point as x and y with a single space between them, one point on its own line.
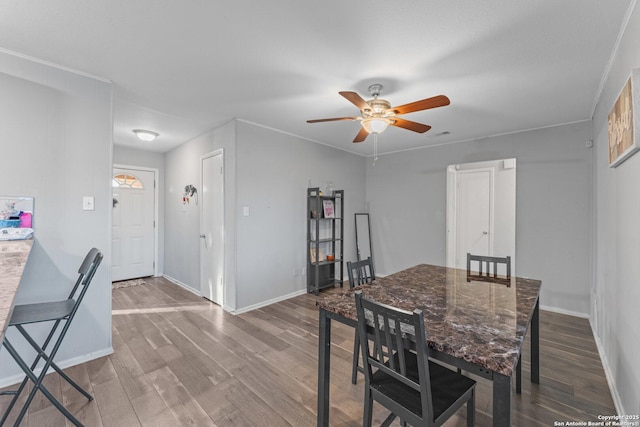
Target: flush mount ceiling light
145 135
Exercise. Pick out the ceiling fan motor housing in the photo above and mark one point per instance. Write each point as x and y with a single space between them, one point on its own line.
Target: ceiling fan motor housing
378 106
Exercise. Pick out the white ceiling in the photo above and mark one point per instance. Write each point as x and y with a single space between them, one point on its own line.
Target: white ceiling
181 68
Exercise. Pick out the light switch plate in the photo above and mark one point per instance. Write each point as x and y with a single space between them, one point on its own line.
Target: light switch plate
88 203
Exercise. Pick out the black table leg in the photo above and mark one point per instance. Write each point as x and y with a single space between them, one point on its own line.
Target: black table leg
501 400
535 344
519 375
324 367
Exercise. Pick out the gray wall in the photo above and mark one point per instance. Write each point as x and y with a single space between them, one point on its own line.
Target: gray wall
182 227
131 157
615 312
267 171
406 193
56 147
274 171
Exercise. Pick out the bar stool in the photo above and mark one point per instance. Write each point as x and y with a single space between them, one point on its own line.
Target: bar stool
55 311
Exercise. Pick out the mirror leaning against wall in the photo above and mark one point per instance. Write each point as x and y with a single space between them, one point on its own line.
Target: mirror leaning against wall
363 237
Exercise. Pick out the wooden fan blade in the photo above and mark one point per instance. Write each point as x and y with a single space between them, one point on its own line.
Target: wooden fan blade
361 136
423 104
331 120
356 100
408 124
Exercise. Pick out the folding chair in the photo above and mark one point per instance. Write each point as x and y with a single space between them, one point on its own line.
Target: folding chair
56 312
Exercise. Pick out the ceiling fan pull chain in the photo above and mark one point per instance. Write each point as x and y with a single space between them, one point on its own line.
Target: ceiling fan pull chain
375 148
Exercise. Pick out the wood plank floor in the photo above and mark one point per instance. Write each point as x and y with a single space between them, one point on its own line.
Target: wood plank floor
182 361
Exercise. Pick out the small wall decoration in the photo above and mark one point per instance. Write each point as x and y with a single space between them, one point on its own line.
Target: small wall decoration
189 192
624 135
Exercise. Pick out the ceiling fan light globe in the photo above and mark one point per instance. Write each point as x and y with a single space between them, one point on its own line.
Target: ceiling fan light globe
375 125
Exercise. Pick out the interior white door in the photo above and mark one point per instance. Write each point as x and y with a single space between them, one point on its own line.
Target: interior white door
133 224
474 224
481 211
212 228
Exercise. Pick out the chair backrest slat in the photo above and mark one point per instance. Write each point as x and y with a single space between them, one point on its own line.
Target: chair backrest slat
360 272
385 333
85 267
488 267
93 259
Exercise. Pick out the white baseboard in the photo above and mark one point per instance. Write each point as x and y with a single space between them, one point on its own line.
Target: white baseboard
607 372
182 285
564 311
243 309
15 379
268 302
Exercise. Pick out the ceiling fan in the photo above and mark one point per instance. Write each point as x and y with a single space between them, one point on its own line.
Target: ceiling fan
377 113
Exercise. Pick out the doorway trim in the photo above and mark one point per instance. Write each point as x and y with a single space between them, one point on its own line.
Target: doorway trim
156 173
499 214
218 152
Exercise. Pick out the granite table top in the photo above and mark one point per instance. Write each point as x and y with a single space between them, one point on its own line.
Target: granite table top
481 322
13 257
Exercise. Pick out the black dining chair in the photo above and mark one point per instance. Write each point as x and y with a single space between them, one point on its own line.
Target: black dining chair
360 273
56 312
488 268
488 272
418 391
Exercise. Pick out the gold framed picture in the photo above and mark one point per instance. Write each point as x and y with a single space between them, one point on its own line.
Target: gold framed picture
623 135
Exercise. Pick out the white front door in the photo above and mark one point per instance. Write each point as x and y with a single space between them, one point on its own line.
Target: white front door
212 228
133 224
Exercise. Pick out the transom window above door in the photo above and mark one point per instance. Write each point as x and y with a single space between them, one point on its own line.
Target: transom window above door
124 180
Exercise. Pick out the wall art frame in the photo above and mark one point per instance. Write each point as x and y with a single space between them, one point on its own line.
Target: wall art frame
624 122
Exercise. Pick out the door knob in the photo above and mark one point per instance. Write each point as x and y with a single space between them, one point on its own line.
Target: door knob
204 236
485 233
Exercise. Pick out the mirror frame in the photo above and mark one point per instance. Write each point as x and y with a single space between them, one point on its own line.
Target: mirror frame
368 225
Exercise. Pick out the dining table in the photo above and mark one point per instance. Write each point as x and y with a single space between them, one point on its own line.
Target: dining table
476 326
